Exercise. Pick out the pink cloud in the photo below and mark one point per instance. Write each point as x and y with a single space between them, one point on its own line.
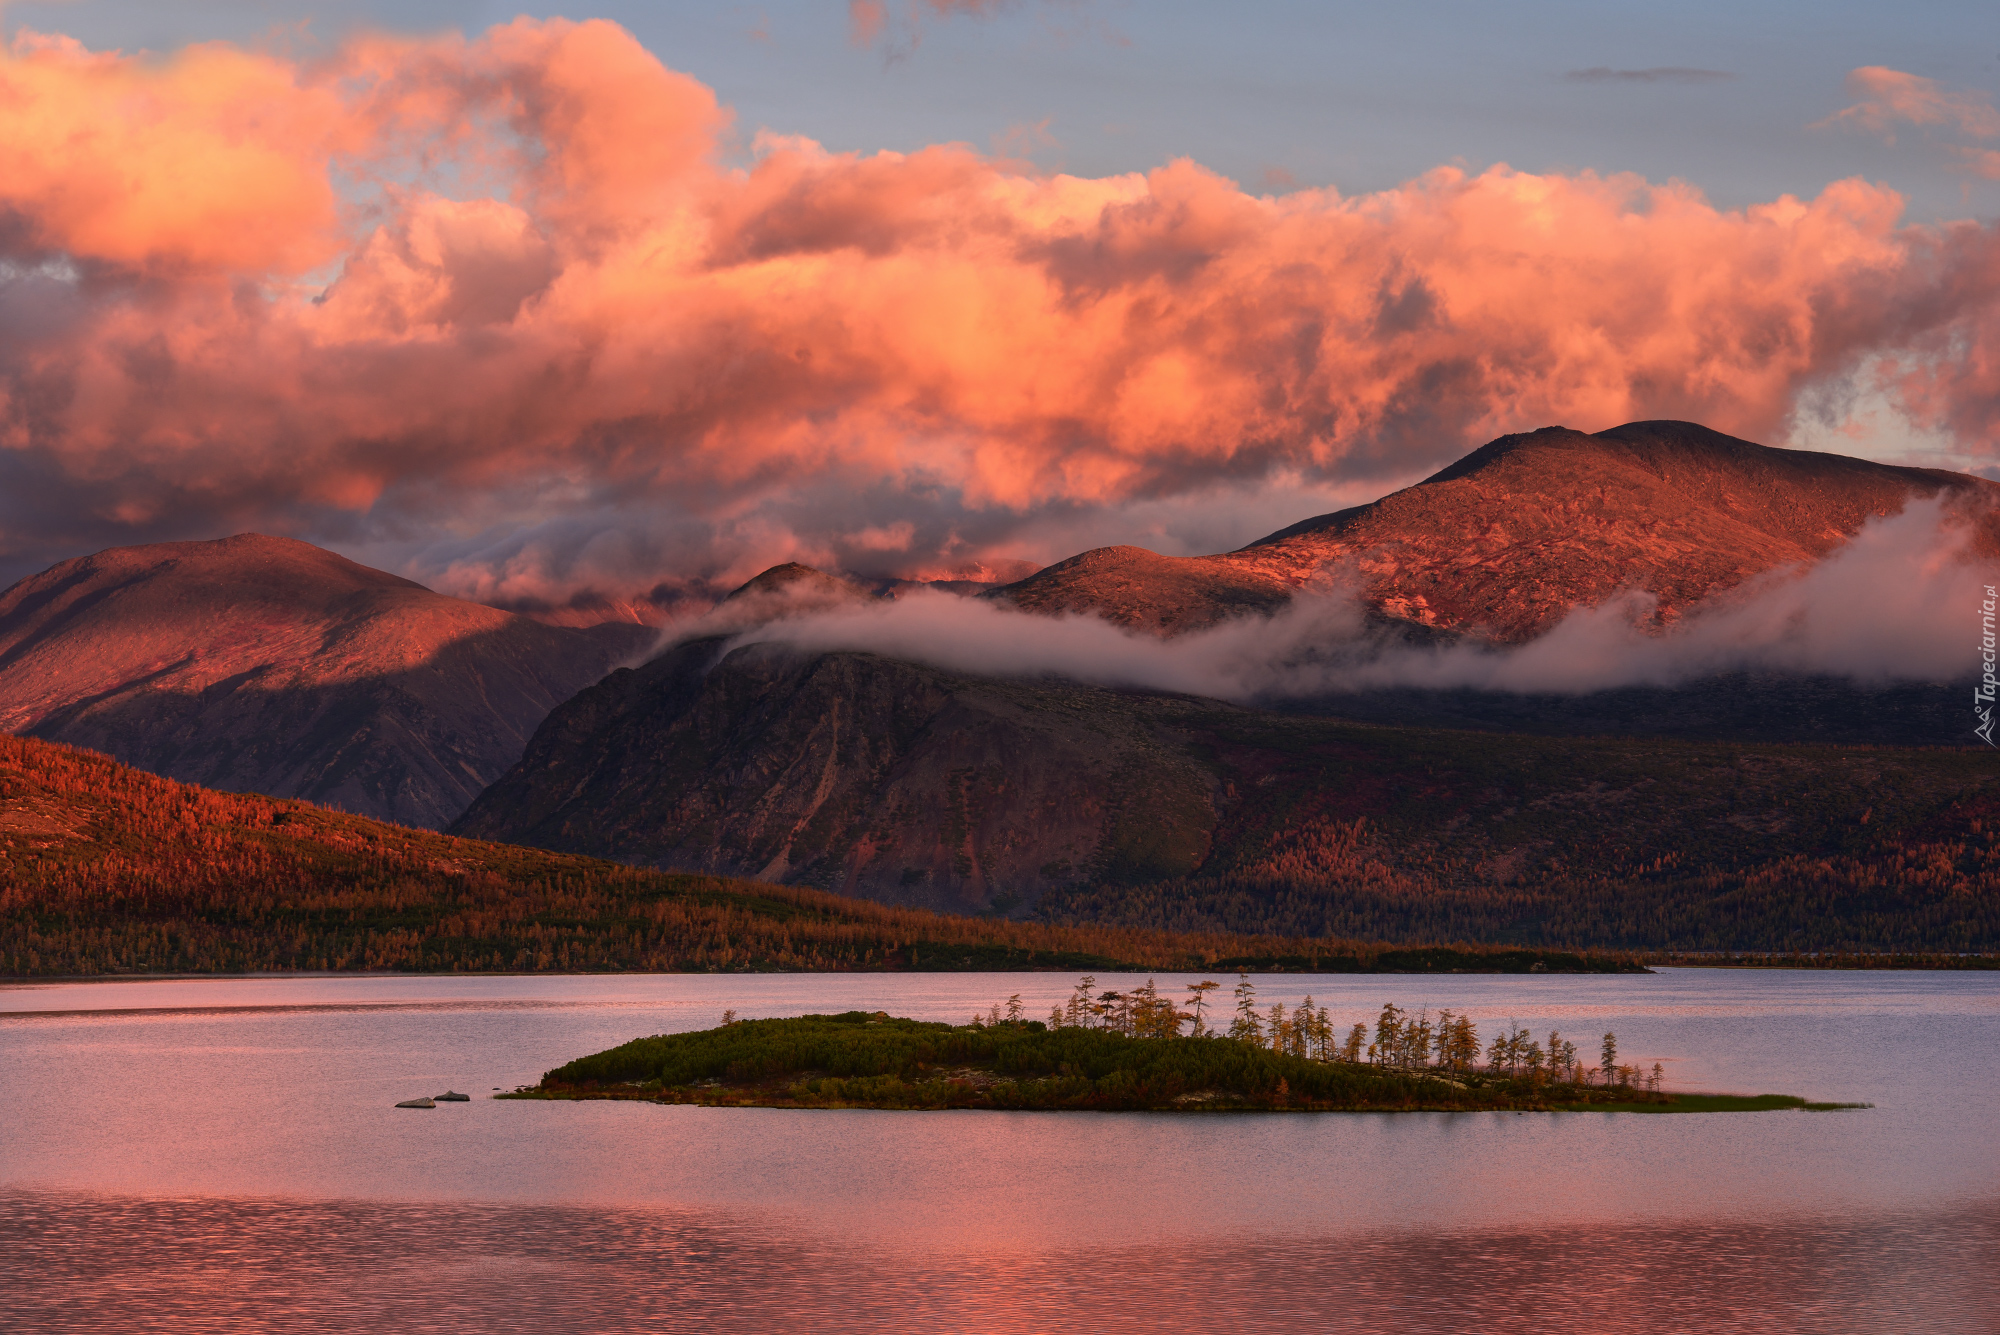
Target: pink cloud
547 309
1888 98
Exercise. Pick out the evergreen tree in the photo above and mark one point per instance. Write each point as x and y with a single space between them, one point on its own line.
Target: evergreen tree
1112 1013
1077 1013
1388 1034
1417 1040
1246 1026
1610 1066
1200 993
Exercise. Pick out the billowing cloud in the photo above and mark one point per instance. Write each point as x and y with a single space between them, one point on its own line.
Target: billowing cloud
497 306
1899 602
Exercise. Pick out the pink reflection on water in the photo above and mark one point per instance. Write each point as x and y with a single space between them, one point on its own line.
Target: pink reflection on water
103 1263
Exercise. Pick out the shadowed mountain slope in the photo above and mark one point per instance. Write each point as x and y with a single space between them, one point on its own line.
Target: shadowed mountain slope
1508 540
269 665
874 777
104 869
908 784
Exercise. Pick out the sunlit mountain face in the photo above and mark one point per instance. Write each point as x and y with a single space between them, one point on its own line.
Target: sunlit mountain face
268 665
770 529
537 318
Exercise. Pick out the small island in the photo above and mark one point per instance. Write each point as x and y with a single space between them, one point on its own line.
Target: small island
1127 1053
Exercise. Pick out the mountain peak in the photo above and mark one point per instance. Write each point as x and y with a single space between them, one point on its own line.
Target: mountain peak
247 558
271 664
1508 540
797 582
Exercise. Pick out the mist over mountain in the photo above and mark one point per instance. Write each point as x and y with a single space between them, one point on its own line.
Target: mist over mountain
264 664
1519 534
908 784
1049 743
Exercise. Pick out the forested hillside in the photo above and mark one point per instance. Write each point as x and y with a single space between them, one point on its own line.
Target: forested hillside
105 869
1629 843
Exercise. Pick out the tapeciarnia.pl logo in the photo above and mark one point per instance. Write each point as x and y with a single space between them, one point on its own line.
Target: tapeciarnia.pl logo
1982 694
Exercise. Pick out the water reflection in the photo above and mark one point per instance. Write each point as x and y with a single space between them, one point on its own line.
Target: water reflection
82 1262
223 1155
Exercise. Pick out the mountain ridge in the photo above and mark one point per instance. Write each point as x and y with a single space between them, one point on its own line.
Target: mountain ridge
254 662
907 784
1505 542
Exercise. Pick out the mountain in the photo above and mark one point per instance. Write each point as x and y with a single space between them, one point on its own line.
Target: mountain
268 665
866 775
911 784
1509 539
908 784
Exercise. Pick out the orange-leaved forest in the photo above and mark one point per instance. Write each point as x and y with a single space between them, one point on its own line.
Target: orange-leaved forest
105 869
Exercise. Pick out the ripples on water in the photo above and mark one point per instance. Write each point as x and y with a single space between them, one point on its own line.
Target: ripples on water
106 1263
216 1156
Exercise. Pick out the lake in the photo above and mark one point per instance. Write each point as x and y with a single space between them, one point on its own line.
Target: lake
224 1155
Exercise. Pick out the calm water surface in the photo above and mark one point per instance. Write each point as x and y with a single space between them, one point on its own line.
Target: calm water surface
222 1155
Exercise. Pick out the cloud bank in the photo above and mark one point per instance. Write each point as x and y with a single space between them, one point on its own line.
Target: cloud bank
501 306
1898 602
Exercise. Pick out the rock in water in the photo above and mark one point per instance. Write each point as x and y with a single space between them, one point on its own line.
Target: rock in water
450 1096
417 1103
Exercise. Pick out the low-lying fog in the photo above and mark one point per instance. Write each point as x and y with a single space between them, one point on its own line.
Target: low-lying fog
1901 601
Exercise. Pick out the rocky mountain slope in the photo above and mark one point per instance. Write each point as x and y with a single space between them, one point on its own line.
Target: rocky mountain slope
257 664
1509 539
908 784
886 779
911 784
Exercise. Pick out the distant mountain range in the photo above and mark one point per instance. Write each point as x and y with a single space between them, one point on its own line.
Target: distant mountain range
259 664
266 665
1507 541
908 783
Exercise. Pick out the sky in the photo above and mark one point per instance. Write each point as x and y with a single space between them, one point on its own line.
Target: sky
551 305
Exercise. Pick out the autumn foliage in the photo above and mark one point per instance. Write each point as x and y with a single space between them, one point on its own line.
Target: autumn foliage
105 869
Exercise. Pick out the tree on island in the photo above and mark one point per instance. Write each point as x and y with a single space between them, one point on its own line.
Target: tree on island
1198 997
1246 1027
1450 1043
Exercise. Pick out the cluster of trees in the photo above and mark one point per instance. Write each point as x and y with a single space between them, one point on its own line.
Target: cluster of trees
874 1060
1448 1042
